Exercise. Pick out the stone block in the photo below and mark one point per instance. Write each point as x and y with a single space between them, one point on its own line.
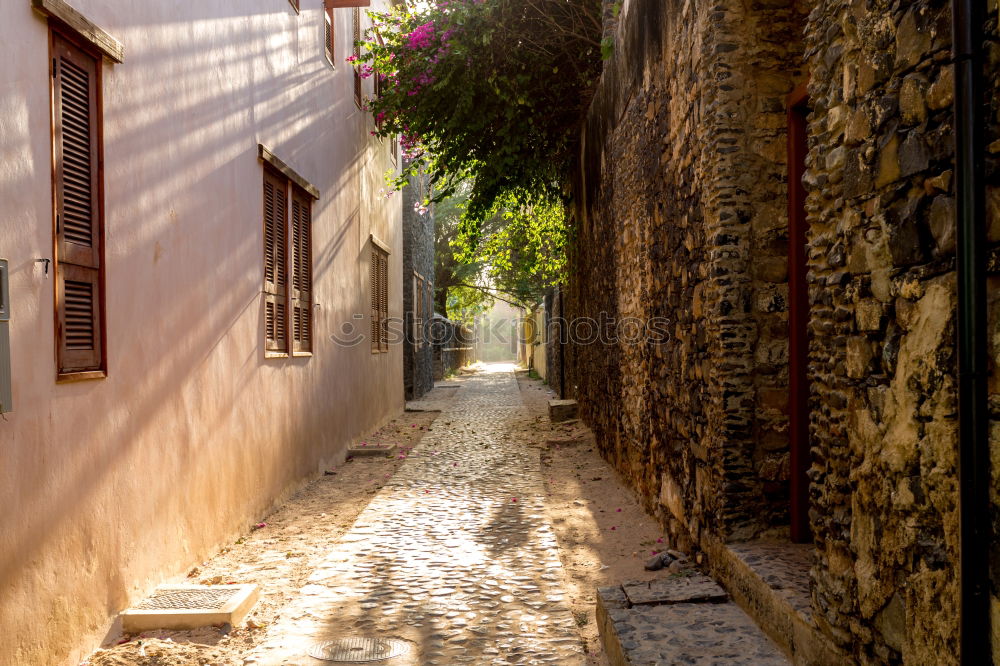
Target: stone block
695 587
868 314
371 450
562 410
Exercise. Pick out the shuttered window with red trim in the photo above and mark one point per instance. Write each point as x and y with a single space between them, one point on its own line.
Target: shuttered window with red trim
275 262
301 282
79 232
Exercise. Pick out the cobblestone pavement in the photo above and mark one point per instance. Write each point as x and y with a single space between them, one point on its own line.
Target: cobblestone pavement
454 555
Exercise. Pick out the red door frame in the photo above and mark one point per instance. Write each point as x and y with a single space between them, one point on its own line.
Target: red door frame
798 316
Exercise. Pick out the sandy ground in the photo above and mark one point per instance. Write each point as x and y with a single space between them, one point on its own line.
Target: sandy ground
604 537
278 557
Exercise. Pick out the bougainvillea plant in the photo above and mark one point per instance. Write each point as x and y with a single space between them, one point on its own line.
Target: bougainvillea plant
487 92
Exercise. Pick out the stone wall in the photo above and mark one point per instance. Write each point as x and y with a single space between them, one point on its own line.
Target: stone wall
882 295
680 212
453 347
418 257
680 217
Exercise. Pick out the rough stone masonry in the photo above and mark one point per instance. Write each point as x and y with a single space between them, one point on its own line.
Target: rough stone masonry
680 210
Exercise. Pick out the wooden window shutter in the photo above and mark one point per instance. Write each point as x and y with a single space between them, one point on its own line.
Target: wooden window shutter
301 282
357 54
380 299
276 313
338 4
329 33
373 274
384 301
79 299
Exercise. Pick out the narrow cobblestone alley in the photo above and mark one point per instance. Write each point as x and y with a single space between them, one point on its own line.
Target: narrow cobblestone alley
454 555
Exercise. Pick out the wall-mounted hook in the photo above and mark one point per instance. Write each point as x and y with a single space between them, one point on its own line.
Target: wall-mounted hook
46 262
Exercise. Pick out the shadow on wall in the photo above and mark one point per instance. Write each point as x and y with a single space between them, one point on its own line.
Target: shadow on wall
159 146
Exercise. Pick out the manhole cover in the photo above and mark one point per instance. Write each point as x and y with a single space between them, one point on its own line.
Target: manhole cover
359 649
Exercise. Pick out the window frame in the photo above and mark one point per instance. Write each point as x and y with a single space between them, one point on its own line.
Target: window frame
63 358
296 190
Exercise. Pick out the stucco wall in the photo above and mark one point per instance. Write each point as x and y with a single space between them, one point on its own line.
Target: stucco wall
112 486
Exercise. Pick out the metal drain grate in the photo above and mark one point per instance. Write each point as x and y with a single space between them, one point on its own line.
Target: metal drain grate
188 599
359 649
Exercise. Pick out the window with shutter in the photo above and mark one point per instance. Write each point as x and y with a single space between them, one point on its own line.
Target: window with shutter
379 275
329 31
78 209
384 301
357 54
275 263
301 282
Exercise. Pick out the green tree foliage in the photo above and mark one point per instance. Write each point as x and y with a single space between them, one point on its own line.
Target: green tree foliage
487 90
513 256
488 95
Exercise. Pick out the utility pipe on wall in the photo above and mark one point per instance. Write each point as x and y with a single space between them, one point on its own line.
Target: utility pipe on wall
973 363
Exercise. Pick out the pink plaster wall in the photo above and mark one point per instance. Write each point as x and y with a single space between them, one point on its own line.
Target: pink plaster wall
112 486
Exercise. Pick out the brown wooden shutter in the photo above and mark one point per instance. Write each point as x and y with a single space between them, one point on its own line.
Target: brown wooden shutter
373 275
275 264
384 301
338 4
78 209
301 282
329 32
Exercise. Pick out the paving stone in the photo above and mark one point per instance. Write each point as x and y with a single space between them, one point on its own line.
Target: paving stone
682 633
454 554
675 589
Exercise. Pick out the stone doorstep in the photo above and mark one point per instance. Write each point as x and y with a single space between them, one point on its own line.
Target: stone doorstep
371 451
680 619
169 616
770 581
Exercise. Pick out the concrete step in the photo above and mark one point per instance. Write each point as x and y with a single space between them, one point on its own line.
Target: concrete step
684 618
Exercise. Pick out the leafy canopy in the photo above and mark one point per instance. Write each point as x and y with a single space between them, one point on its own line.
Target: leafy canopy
490 91
487 97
